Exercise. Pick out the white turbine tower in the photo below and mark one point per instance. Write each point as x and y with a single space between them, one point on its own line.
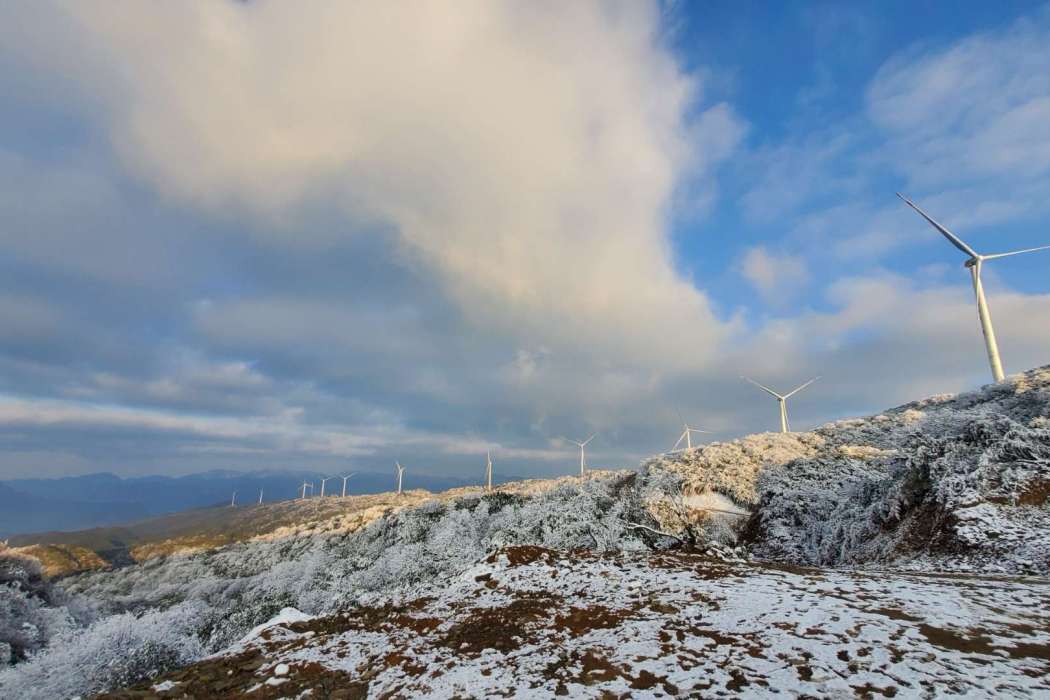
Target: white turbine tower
344 482
488 469
233 500
400 474
687 435
782 399
323 481
583 454
974 262
303 489
260 496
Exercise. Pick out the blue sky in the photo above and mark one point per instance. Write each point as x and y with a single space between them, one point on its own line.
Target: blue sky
247 235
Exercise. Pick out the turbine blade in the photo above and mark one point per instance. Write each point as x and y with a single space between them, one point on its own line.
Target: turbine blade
790 394
763 387
675 446
952 238
1016 252
588 439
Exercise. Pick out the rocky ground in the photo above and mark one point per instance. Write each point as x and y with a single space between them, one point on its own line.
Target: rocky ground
532 622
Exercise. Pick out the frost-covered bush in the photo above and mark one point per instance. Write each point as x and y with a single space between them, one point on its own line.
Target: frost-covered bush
963 480
181 607
971 486
116 651
31 610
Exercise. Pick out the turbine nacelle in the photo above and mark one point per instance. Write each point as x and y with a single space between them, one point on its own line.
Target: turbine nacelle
781 398
974 262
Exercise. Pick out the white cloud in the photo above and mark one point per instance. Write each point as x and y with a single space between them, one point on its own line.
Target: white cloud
526 153
976 110
777 277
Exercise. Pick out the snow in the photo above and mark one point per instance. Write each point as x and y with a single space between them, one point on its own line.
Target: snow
685 624
944 484
283 618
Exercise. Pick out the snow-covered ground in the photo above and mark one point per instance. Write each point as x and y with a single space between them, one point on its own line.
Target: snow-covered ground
529 622
944 484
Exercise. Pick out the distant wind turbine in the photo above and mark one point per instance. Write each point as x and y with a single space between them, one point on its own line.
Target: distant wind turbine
488 469
975 261
323 481
687 435
344 482
260 496
233 500
400 474
583 454
303 489
782 399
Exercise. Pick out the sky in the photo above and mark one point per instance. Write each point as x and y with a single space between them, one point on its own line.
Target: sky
263 235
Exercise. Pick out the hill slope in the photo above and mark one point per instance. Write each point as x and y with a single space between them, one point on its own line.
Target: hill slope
948 483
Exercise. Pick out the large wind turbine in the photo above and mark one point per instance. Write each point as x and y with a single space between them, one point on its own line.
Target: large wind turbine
400 474
583 453
488 470
233 500
344 482
323 483
974 263
687 435
782 399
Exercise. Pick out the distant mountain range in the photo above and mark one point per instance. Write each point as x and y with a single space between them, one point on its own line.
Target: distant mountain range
93 500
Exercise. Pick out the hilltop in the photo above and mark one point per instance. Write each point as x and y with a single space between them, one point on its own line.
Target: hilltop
65 553
948 483
90 501
705 555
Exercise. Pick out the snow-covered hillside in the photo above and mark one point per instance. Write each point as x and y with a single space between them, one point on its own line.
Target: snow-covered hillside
949 483
531 622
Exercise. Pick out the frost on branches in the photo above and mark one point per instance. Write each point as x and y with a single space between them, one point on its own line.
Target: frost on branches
957 483
950 483
168 611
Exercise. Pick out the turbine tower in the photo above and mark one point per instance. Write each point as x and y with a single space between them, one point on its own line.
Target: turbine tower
687 435
400 474
583 454
260 496
344 482
233 500
488 469
974 262
303 489
323 483
782 399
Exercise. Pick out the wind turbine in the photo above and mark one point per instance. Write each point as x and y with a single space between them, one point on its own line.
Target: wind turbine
975 261
488 469
303 489
323 483
344 482
583 455
687 435
260 496
400 473
233 500
782 399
